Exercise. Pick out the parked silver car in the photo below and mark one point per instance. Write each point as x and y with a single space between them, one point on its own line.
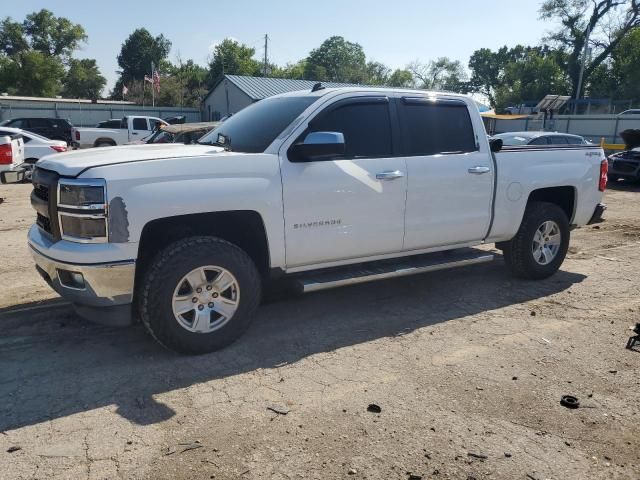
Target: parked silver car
540 138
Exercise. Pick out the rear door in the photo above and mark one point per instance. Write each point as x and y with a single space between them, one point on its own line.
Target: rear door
450 188
349 206
139 128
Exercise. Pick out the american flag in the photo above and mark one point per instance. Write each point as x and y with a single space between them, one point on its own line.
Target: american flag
156 80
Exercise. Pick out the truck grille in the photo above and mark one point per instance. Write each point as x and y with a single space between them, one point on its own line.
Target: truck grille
43 200
41 191
44 223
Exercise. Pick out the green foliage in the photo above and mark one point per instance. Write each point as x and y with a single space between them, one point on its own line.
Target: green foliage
400 78
440 74
83 79
337 60
605 22
138 51
294 71
34 54
35 74
529 74
51 35
232 58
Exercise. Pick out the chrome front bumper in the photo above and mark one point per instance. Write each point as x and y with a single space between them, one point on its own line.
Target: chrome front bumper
103 284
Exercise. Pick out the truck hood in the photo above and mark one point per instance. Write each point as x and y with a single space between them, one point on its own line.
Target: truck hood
71 164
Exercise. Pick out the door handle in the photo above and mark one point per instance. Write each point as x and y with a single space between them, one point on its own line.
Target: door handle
389 175
479 170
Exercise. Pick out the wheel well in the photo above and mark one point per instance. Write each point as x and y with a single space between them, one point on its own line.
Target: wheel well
243 228
564 197
104 140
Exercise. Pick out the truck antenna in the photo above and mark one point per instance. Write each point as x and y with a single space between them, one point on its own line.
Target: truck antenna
317 86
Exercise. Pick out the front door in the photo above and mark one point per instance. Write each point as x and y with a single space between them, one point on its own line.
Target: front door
450 188
350 206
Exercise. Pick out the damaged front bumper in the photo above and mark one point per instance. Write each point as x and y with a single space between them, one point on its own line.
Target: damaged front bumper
100 292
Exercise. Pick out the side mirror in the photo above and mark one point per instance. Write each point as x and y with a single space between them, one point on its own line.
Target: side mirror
12 176
318 146
495 144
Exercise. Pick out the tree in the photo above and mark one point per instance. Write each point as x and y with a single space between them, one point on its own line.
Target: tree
294 71
83 79
487 71
138 51
232 58
34 53
51 35
607 21
440 74
400 78
37 74
377 73
529 75
623 72
336 60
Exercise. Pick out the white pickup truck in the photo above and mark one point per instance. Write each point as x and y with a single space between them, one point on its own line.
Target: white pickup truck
11 155
132 128
320 189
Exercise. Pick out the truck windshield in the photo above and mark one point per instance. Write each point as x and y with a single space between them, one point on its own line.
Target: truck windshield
254 128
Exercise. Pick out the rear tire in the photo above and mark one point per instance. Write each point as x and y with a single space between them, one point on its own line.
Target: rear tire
541 244
105 144
168 288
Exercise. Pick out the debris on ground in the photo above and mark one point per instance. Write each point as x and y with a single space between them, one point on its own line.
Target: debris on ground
634 339
14 448
352 471
479 456
507 454
278 410
373 408
185 447
413 476
569 401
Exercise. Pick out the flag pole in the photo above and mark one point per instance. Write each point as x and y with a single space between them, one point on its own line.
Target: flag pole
153 89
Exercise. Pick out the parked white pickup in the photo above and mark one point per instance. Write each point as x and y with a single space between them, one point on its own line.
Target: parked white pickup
318 189
131 128
11 151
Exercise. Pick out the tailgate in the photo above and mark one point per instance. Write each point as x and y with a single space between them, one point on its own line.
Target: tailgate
17 148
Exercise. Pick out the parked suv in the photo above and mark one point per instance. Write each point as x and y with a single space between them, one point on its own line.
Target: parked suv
52 128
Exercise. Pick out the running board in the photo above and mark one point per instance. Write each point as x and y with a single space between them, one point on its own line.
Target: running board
368 272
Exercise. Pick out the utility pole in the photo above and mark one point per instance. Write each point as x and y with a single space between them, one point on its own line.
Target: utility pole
584 61
265 67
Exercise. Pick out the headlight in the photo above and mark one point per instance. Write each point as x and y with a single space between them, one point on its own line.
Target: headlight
82 210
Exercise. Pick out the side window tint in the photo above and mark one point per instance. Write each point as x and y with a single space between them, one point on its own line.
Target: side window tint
366 128
17 124
539 141
436 128
140 124
559 140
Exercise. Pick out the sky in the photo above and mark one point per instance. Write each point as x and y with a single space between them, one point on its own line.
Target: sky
393 32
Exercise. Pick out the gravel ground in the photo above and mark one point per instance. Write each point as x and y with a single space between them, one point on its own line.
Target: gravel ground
468 367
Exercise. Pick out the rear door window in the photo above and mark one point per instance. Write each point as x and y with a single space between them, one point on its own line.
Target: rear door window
559 140
365 124
432 128
140 124
539 141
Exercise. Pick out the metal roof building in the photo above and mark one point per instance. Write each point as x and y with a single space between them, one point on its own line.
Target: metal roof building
234 92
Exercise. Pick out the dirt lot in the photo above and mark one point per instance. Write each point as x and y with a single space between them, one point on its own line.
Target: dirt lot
468 367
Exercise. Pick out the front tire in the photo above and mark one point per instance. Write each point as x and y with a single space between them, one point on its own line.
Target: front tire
199 295
541 244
